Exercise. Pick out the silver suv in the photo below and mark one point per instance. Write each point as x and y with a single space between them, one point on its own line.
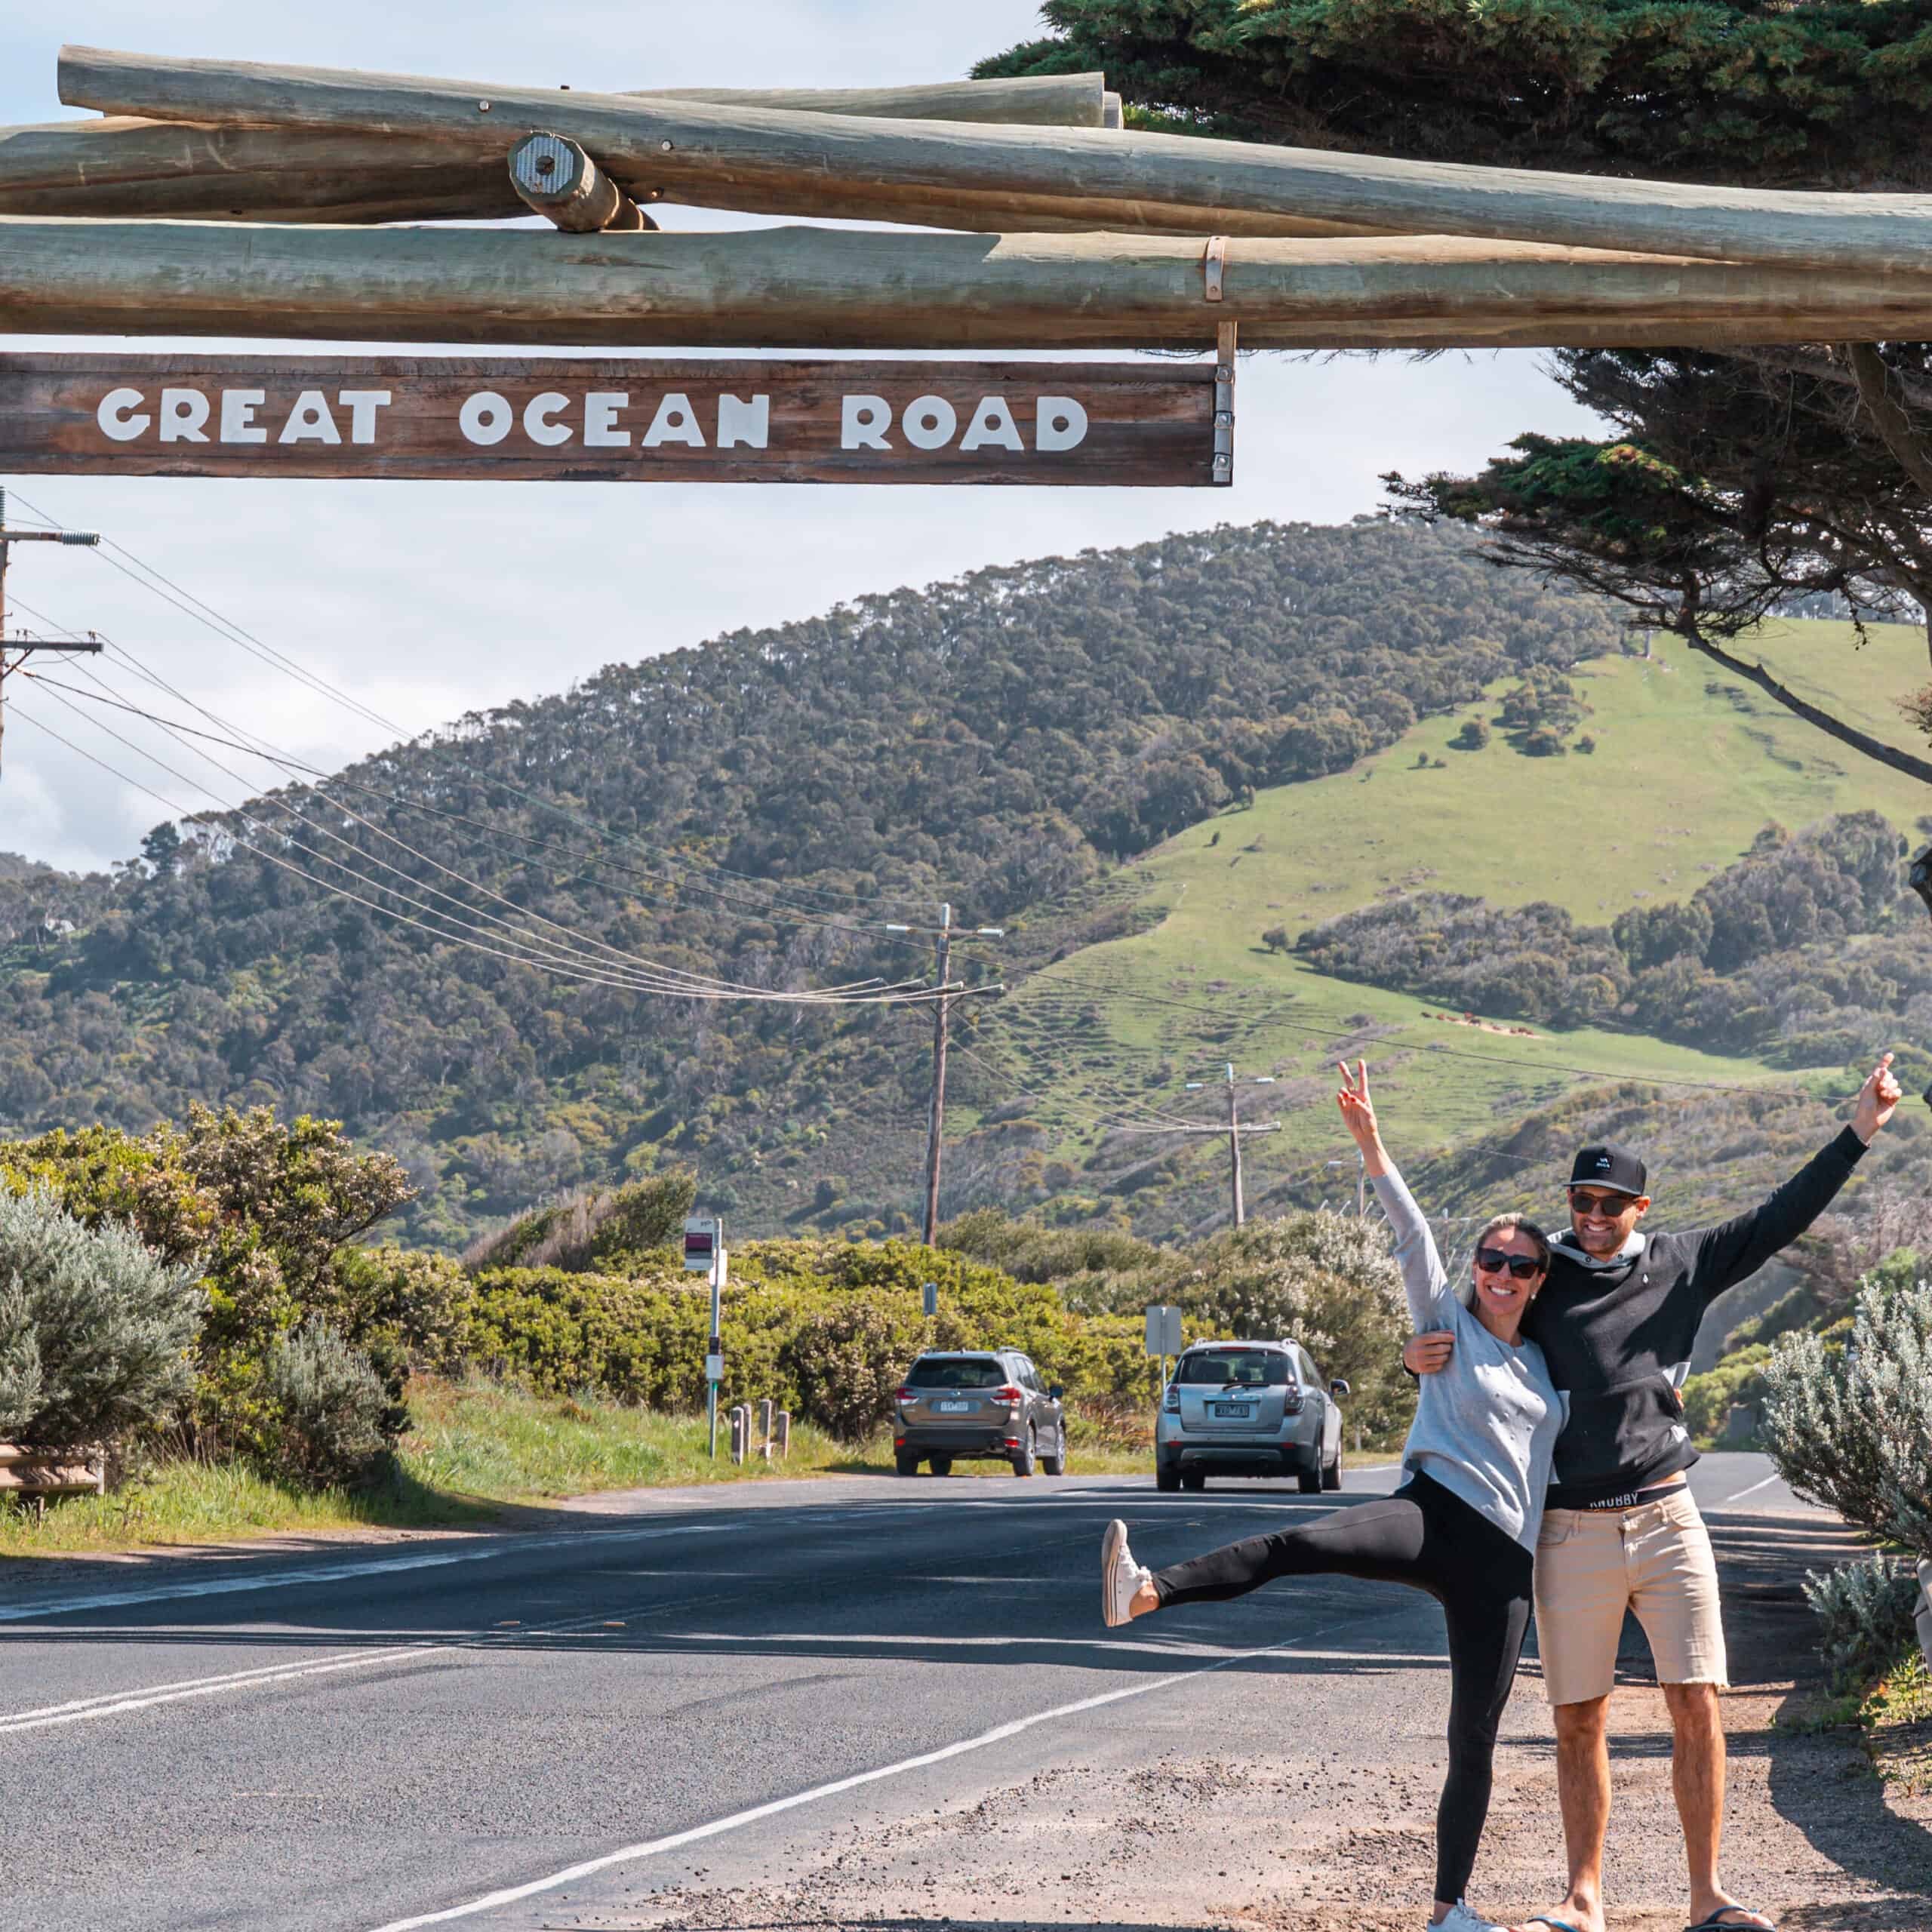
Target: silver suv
977 1403
1249 1409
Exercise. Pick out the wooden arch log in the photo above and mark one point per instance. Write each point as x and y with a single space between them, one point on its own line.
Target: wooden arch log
554 178
120 167
807 287
755 158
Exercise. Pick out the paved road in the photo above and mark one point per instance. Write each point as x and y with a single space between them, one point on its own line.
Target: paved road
355 1740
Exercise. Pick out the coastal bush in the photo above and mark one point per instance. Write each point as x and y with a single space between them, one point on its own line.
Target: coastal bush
96 1330
327 1419
1848 1422
1866 1610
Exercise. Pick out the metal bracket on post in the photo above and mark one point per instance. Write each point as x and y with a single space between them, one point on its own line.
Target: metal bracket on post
1213 259
1224 398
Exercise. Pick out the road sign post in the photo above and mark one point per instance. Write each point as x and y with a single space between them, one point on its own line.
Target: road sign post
1163 1337
704 1253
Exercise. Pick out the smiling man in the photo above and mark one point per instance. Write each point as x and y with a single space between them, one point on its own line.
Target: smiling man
1616 1321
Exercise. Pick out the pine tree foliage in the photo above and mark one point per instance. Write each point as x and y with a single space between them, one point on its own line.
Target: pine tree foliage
96 1330
1825 95
1849 1424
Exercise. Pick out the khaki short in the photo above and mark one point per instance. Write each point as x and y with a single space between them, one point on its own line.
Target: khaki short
1656 1560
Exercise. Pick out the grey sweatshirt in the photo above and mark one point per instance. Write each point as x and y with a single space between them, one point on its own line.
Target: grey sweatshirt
1486 1427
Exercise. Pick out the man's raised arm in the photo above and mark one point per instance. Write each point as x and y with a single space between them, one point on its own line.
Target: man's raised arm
1737 1248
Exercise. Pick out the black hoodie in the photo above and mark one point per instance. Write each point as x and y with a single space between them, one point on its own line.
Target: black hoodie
1618 1334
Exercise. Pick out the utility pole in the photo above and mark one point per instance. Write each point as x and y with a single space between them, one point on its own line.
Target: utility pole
1234 1129
22 647
942 1011
936 1121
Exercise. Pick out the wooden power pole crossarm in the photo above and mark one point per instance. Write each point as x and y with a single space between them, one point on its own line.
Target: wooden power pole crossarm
22 647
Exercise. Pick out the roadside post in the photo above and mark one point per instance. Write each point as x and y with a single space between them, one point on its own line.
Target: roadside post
1163 1337
766 1410
784 1427
1922 1619
741 1429
704 1253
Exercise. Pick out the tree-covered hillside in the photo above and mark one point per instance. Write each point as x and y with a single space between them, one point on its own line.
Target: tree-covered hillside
758 808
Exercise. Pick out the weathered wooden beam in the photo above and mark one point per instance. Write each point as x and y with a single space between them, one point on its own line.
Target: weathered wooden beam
556 179
807 287
1038 100
123 169
120 167
744 157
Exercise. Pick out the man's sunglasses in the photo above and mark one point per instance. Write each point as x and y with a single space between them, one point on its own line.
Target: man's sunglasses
1494 1260
1608 1205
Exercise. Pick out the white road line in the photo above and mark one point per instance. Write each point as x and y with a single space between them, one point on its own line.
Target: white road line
81 1711
677 1841
337 1573
1738 1496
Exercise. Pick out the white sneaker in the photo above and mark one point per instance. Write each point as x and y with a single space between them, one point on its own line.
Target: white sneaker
1460 1918
1120 1576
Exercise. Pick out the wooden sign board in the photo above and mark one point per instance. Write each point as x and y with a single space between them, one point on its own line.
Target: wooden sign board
743 421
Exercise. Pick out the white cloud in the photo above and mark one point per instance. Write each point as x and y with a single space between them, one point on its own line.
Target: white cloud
429 599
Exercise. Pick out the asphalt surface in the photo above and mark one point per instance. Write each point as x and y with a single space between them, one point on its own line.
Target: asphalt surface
358 1738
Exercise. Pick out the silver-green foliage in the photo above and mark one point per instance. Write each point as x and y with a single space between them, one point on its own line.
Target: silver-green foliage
95 1329
1851 1427
1866 1610
333 1422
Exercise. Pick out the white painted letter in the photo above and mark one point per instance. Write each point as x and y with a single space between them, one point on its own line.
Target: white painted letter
600 419
362 405
863 421
746 423
114 418
929 422
238 415
992 422
675 422
184 414
485 417
1058 423
309 421
536 423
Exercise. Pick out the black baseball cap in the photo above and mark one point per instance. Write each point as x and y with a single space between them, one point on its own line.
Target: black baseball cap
1606 1164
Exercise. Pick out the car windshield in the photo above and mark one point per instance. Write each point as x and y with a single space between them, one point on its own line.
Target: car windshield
957 1372
1252 1368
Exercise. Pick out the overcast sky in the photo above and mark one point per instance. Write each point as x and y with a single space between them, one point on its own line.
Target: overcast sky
430 599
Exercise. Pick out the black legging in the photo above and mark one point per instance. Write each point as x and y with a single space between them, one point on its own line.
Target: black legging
1431 1539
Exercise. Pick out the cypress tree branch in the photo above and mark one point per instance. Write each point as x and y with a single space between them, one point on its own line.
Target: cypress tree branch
1893 426
1686 626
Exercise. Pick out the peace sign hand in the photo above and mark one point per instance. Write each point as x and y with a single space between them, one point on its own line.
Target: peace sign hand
1876 1100
1357 1110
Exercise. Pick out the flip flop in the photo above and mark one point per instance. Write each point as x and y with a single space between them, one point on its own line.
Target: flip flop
1717 1922
1558 1924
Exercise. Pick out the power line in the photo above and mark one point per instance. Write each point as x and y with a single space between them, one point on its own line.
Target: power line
205 613
520 957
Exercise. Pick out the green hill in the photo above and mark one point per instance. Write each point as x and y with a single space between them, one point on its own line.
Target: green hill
1138 761
1688 769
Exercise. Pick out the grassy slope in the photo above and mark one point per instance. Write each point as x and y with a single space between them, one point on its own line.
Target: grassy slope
1682 777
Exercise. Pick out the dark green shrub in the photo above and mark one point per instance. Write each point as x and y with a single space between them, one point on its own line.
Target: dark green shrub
327 1422
403 1308
847 1360
1865 1612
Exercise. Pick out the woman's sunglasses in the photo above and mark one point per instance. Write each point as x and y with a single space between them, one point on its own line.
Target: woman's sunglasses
1494 1260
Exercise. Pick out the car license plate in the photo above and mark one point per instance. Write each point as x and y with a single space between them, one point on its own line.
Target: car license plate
1234 1411
954 1408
